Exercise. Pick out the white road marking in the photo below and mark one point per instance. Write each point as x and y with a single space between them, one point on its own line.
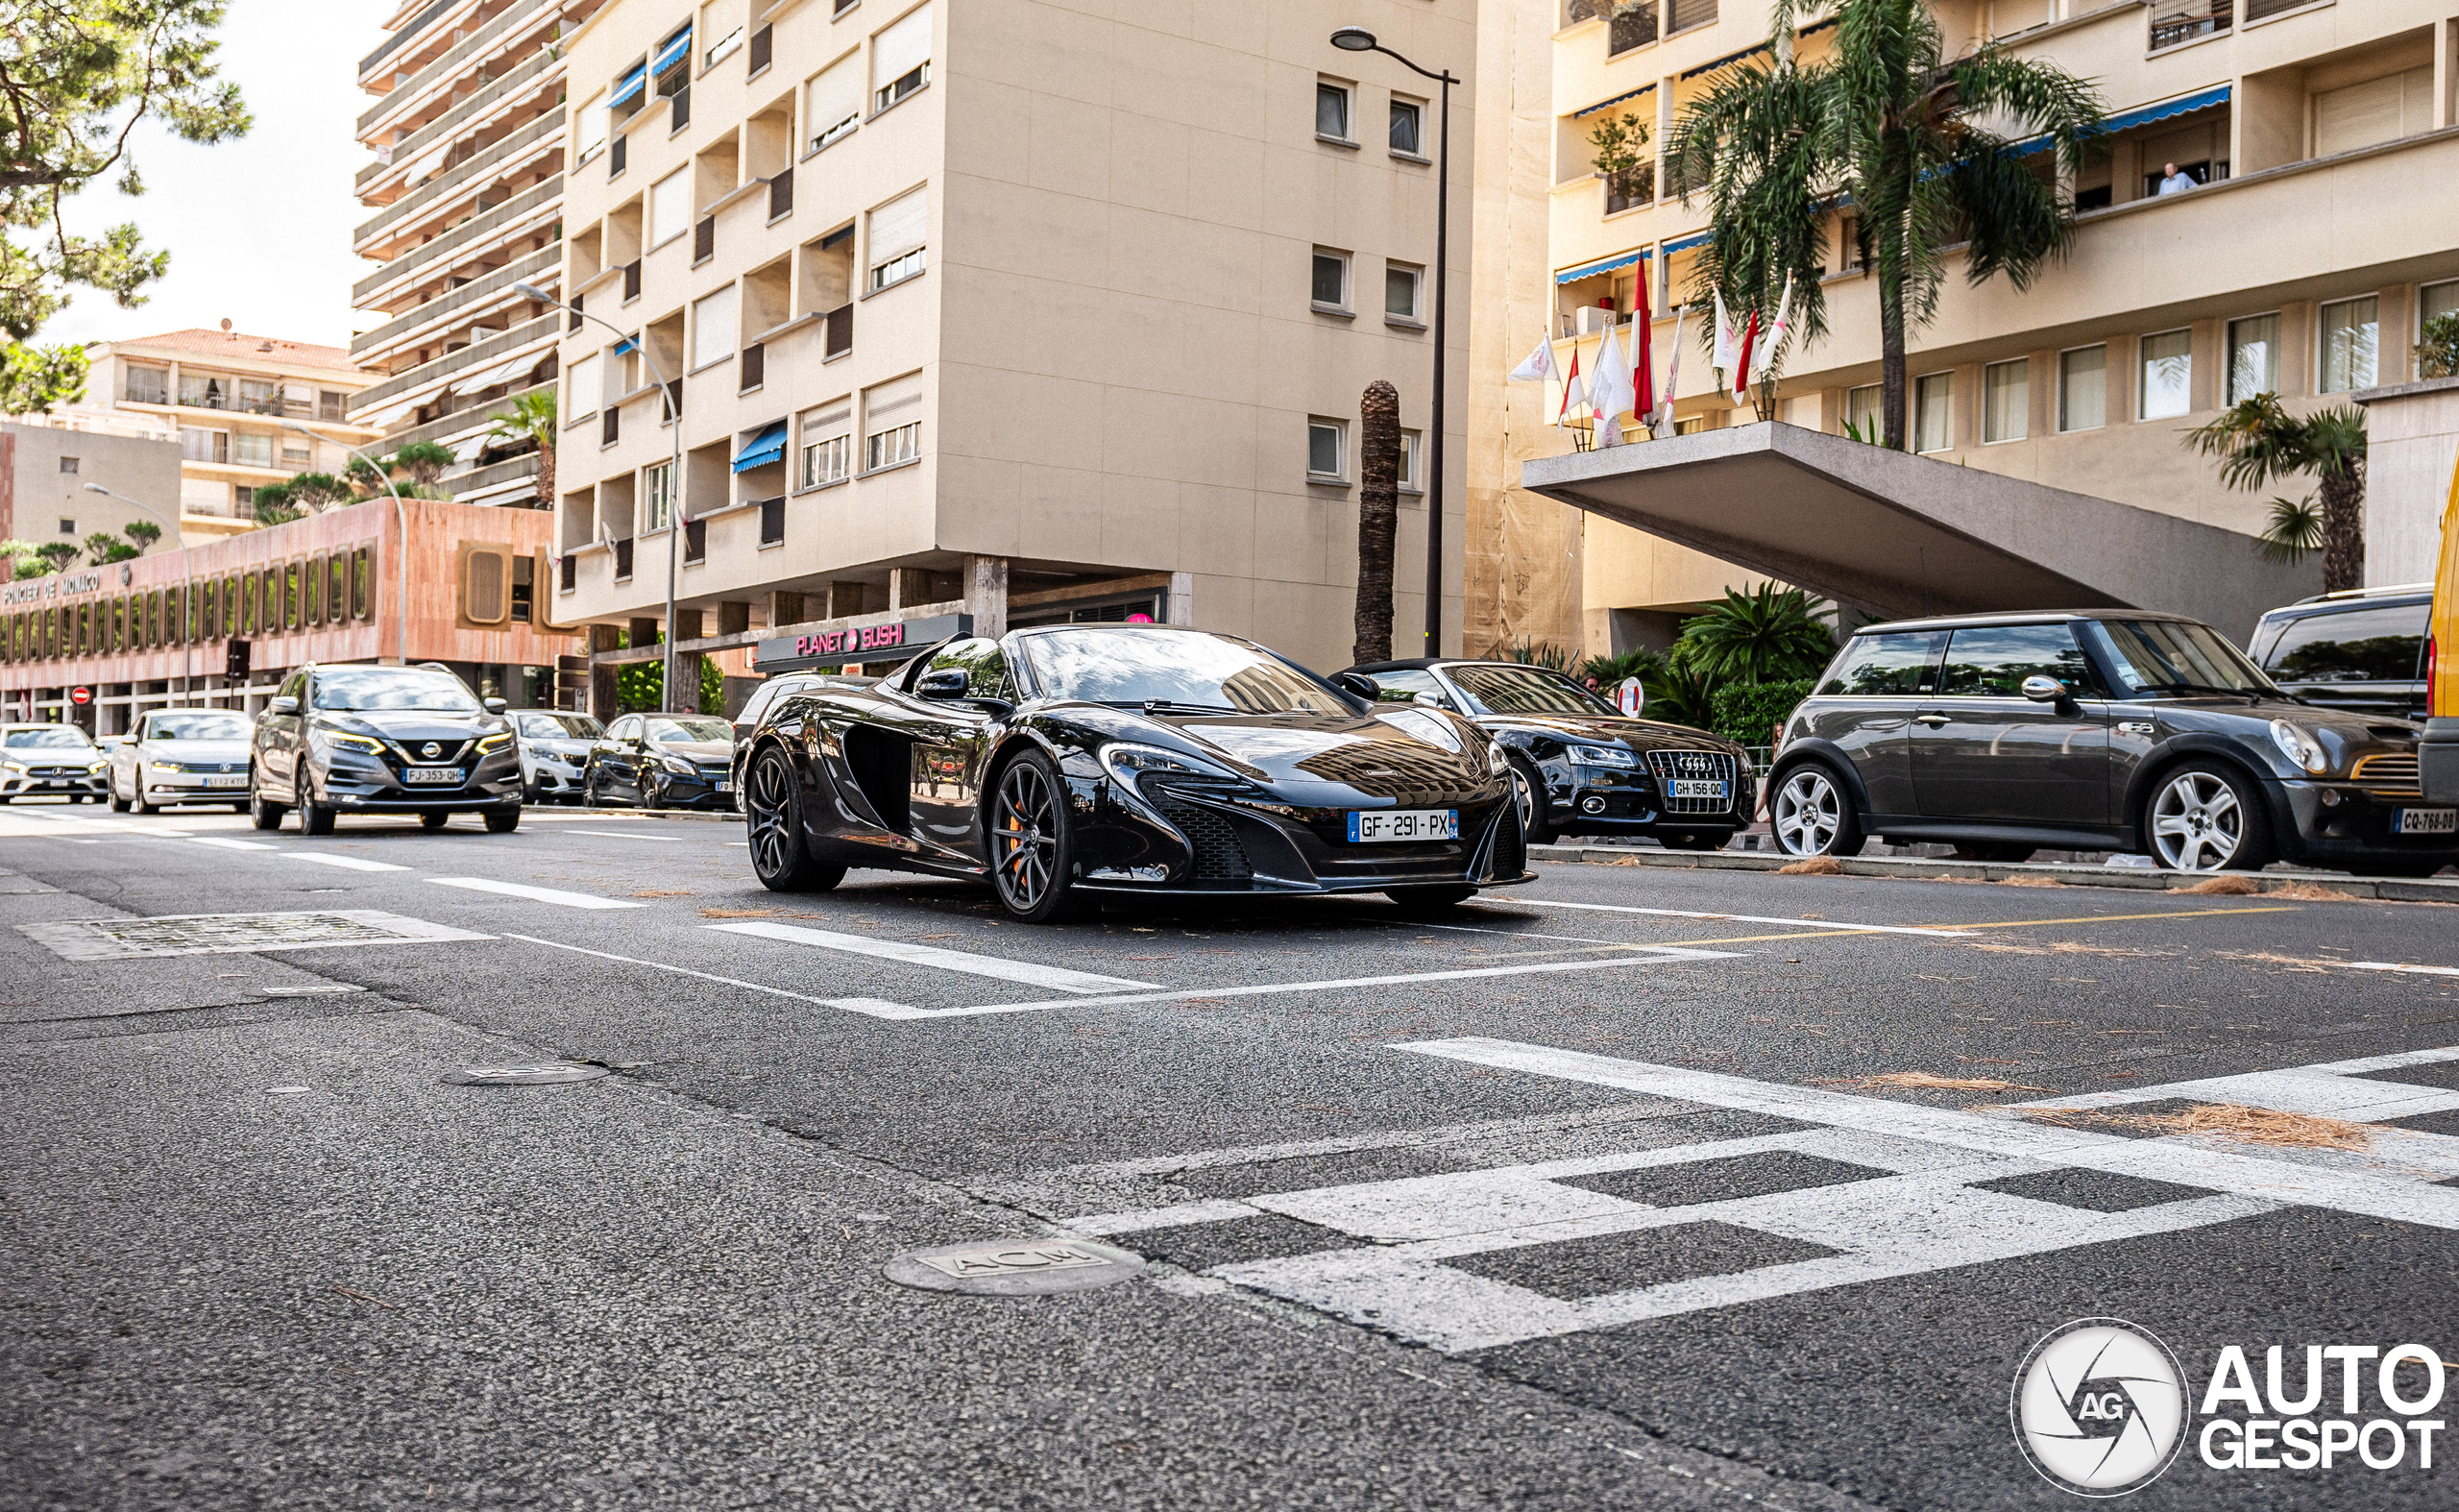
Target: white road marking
516 890
1057 978
233 845
1636 954
858 1005
1919 1209
325 858
1837 925
2391 965
618 835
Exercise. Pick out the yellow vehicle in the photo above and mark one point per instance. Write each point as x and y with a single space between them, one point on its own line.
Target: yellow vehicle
2438 757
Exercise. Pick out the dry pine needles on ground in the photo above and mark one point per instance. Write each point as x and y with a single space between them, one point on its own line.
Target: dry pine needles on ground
2227 1120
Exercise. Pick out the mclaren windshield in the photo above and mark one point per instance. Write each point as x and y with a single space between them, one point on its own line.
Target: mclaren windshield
1174 671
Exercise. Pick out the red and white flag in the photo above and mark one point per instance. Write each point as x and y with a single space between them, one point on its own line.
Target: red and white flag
1538 366
1642 353
1769 348
1741 369
1673 378
1575 399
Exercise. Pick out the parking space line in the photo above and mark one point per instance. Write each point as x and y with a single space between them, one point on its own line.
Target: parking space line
516 890
1028 973
1823 925
616 835
233 845
2105 919
874 1007
2392 966
325 858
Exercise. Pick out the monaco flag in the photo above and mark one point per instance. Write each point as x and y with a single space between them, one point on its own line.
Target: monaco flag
1741 369
1538 366
1574 399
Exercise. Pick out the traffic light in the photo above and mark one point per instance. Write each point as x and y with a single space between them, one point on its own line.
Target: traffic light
236 668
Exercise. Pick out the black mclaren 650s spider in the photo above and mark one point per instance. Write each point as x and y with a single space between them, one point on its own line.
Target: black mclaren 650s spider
1068 761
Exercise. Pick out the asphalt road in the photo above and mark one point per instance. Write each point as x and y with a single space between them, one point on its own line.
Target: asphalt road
1580 1198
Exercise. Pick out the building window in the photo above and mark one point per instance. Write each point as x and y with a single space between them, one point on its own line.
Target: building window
203 446
657 488
2083 388
2164 380
891 424
67 526
834 100
714 322
1401 285
69 466
1330 286
1861 412
149 385
1683 15
591 124
580 390
899 230
901 59
1933 411
670 207
251 449
1412 462
828 444
2007 392
1408 127
1331 110
2253 357
2433 302
2349 332
297 459
721 25
1326 451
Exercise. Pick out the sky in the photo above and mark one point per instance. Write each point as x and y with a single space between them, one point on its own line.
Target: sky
258 228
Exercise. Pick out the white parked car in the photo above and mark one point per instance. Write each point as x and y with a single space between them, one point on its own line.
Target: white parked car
182 756
49 759
555 752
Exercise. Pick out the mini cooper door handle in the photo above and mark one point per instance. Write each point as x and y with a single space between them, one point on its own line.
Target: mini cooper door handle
1933 721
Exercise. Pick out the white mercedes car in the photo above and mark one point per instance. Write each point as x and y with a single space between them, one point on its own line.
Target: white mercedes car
181 756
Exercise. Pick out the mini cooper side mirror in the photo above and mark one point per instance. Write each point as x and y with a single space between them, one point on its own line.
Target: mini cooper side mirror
2044 690
494 705
283 705
942 685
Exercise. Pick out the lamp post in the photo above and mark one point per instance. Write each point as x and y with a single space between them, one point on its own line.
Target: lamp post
401 524
673 489
187 587
1358 39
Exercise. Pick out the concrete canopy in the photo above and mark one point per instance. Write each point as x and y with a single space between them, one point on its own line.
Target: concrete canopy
1896 535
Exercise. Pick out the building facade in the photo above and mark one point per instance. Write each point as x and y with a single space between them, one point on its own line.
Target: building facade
468 134
45 470
2302 260
222 622
998 308
242 411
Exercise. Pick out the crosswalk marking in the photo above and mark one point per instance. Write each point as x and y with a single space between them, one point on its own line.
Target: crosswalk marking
325 858
518 889
1920 1207
1841 927
1057 978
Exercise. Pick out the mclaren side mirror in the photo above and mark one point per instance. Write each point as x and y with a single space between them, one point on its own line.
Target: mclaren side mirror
283 705
943 686
1356 685
494 705
1428 700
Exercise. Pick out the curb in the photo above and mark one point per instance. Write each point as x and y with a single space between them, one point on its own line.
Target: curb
2399 890
688 815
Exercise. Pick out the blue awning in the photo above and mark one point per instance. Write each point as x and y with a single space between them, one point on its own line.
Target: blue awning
769 446
1730 59
1687 243
630 85
627 346
2128 120
672 49
1589 270
1607 104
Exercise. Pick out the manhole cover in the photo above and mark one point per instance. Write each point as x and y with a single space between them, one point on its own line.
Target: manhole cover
1013 1267
226 933
553 1075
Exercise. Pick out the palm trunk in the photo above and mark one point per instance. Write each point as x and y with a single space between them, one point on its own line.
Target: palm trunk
1378 517
2343 495
546 472
1891 350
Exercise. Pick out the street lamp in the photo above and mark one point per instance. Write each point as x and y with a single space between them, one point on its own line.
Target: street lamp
400 523
673 487
187 585
1358 39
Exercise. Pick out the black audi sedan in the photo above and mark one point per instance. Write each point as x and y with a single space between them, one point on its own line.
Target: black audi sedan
2119 730
1067 761
663 760
382 740
1579 766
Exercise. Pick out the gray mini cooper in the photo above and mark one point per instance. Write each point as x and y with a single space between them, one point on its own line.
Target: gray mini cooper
2114 730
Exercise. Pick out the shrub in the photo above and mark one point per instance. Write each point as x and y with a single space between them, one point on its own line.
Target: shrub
1749 712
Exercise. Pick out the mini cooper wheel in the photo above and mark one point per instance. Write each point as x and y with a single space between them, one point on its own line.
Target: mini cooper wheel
1814 815
1032 851
2205 816
1528 791
773 830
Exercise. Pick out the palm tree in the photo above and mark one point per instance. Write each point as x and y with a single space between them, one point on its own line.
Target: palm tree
1378 517
1766 635
531 418
2258 441
1888 120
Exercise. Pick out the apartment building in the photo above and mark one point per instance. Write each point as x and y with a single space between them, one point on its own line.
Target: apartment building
2302 260
994 313
468 136
244 411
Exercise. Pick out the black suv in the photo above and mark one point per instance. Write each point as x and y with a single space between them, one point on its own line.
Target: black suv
2362 649
2119 730
382 740
1579 766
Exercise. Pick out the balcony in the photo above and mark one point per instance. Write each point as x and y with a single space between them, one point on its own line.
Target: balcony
487 41
479 107
505 152
493 351
538 200
2177 21
1631 189
492 288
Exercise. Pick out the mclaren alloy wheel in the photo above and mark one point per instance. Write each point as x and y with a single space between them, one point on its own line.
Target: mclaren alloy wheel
1031 857
773 829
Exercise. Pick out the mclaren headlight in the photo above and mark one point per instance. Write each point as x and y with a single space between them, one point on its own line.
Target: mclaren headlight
2300 746
1497 762
1602 756
1126 762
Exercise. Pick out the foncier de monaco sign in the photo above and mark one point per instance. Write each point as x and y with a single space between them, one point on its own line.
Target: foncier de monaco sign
35 589
2101 1407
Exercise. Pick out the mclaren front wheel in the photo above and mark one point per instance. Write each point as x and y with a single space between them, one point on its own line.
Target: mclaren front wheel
773 829
1033 852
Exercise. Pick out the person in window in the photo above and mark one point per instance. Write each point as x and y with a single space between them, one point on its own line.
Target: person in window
2174 179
